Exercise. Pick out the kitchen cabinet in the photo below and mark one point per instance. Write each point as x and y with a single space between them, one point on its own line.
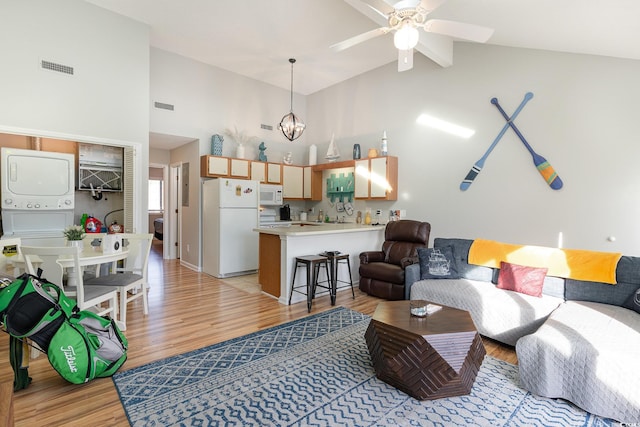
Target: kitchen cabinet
214 166
274 173
312 183
259 171
376 178
239 168
361 174
292 185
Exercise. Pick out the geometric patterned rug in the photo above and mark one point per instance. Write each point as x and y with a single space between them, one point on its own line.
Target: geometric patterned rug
317 371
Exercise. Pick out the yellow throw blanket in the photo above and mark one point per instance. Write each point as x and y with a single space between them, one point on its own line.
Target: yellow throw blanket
568 263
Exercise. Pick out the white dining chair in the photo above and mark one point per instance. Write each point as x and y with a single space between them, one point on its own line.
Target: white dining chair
130 279
92 241
86 296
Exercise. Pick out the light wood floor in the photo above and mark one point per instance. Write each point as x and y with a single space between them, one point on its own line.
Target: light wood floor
188 310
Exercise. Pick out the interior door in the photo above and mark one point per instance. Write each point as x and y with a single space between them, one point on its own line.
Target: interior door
173 240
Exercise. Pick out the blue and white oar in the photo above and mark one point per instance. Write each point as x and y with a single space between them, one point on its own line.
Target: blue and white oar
477 167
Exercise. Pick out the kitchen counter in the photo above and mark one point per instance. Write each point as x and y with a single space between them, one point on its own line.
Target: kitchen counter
316 228
279 246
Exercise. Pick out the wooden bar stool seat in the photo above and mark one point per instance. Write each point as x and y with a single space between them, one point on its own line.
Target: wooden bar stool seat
312 263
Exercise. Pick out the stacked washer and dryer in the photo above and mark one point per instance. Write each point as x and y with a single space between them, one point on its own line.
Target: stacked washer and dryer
38 190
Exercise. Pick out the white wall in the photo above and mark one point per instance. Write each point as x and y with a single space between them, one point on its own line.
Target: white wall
582 119
105 101
107 96
208 100
159 156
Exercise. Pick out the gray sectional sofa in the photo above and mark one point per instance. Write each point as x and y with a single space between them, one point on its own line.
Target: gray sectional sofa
579 340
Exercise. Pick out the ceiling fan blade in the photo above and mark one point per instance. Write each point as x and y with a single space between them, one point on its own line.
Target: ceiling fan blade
380 6
405 60
459 30
431 5
345 44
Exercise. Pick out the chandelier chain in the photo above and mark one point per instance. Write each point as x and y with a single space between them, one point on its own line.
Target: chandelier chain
293 61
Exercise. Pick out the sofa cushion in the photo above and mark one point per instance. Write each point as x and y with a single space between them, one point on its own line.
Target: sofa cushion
628 270
461 255
383 272
520 278
403 238
552 286
604 293
437 263
633 302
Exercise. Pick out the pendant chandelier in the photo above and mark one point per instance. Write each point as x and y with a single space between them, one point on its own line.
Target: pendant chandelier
291 125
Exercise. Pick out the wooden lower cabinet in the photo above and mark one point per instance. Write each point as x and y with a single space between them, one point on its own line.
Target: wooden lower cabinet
269 264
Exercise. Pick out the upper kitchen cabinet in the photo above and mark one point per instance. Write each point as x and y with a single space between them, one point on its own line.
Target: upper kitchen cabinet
312 184
239 168
214 166
259 172
274 173
292 185
376 178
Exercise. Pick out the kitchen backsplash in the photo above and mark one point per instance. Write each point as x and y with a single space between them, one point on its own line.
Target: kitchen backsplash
329 208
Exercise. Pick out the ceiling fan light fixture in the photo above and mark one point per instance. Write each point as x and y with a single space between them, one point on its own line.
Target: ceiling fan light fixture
291 125
407 36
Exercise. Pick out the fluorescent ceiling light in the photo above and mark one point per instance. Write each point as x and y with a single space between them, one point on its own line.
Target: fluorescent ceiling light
445 126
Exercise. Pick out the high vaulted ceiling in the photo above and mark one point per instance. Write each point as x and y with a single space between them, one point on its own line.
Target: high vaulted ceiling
255 38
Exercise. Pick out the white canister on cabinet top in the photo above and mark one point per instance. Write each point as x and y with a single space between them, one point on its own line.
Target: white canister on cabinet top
313 154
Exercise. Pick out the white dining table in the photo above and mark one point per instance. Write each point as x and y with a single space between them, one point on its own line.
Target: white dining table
91 255
87 257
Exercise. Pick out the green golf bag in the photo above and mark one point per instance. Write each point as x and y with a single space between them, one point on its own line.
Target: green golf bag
80 345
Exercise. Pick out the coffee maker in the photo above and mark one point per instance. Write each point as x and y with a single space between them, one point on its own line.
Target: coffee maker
285 213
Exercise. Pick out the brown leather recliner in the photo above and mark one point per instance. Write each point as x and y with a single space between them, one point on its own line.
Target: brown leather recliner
382 272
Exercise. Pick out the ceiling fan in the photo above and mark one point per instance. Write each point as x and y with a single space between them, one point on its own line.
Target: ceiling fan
404 19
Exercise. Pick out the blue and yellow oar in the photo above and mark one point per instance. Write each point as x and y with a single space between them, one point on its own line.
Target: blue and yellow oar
543 166
477 166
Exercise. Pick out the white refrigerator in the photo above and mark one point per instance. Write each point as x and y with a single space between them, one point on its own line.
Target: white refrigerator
229 215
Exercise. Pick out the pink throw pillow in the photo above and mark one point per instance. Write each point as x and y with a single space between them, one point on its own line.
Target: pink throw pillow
519 278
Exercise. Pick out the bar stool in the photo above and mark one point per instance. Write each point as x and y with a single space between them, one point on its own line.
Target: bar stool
335 258
312 263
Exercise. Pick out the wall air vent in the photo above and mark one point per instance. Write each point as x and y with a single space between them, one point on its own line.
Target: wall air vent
267 127
163 106
59 68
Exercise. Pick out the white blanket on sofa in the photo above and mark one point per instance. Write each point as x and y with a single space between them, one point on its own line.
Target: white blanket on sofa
586 353
499 314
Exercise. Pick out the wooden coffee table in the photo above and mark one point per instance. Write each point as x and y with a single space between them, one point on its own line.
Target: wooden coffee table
428 358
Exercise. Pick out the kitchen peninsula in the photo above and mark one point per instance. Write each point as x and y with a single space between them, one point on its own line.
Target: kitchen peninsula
279 247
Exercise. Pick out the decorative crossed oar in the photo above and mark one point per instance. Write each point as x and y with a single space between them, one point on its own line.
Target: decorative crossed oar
543 166
477 166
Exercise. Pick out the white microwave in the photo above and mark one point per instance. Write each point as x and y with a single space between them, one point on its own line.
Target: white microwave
270 195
